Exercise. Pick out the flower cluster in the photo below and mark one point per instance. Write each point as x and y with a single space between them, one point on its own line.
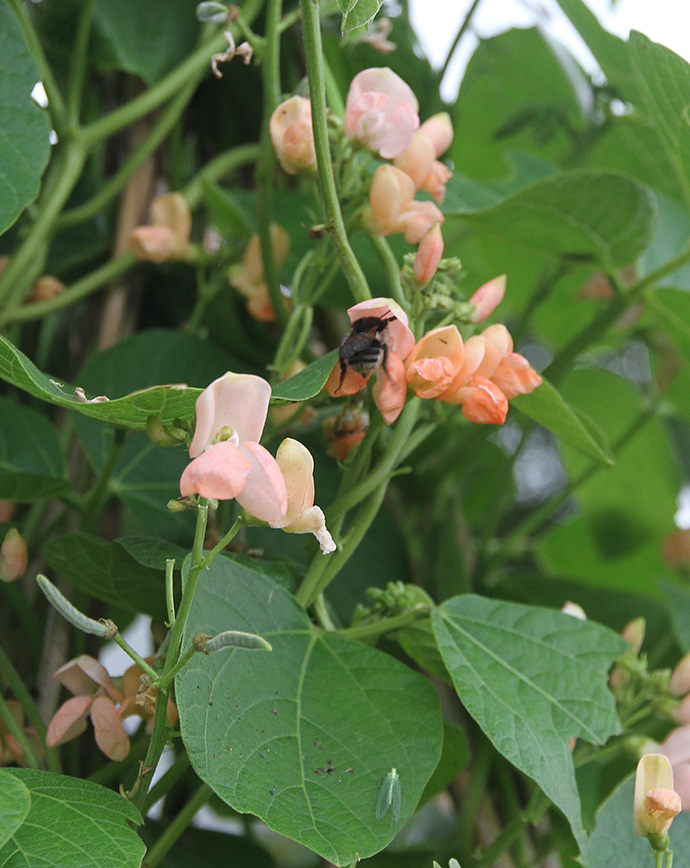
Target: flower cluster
480 374
96 695
229 462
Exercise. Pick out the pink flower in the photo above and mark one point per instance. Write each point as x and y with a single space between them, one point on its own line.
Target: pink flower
419 161
168 236
228 461
297 466
292 135
393 207
381 111
391 386
13 556
429 255
676 748
94 695
655 802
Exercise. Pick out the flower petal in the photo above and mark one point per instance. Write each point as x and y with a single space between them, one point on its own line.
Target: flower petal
483 402
297 466
83 675
390 388
514 376
235 401
110 734
220 472
264 494
313 521
69 720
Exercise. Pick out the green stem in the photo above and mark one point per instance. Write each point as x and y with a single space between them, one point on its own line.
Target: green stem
219 546
191 70
177 827
79 64
147 146
379 628
27 261
391 266
11 677
15 730
265 169
380 473
95 499
159 736
311 31
505 839
323 616
127 648
168 780
222 165
461 32
56 105
178 667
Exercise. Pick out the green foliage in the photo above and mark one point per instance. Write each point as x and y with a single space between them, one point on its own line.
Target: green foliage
86 824
358 13
532 679
24 145
15 803
277 734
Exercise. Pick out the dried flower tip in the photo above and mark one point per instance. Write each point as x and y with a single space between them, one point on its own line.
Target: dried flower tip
244 50
574 610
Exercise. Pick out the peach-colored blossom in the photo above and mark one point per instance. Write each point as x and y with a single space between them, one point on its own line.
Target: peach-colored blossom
435 361
676 748
167 238
297 466
381 111
483 402
228 461
487 298
13 556
514 376
248 276
398 336
429 255
390 388
292 135
393 207
419 161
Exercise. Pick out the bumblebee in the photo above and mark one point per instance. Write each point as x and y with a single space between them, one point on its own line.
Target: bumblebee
364 349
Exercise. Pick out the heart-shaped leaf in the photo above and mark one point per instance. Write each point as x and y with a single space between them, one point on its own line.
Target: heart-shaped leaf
73 824
305 735
15 801
532 678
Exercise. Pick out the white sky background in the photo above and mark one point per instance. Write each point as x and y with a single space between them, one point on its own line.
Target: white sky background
437 21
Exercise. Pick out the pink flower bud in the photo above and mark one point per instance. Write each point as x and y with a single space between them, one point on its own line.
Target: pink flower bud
439 130
634 632
655 802
13 556
487 298
292 135
168 236
679 684
391 191
46 287
381 112
417 159
428 255
7 510
153 243
416 219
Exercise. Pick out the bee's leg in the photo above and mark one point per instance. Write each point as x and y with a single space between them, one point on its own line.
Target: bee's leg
343 371
384 359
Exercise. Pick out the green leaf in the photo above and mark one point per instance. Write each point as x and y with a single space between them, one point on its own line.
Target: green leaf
672 307
15 802
106 570
31 463
308 382
358 13
570 215
614 834
663 89
280 735
146 39
73 823
532 679
545 405
678 607
132 411
24 128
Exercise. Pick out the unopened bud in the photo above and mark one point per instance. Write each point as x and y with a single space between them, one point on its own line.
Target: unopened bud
655 802
574 610
487 298
13 556
215 13
164 435
428 255
439 130
633 632
179 505
46 287
7 510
